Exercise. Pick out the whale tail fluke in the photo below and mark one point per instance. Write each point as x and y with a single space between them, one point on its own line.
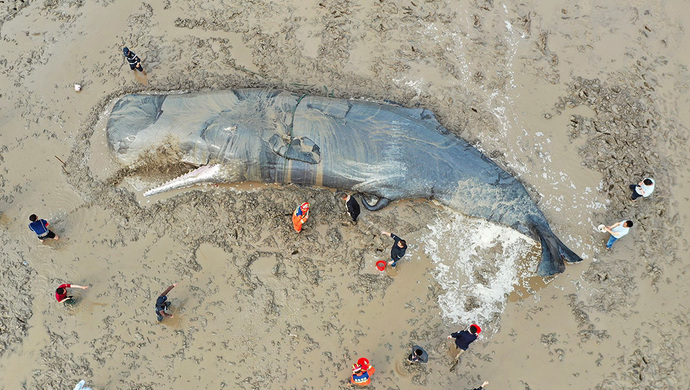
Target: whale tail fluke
554 253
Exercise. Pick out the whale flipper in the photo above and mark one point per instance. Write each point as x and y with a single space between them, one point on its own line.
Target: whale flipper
378 205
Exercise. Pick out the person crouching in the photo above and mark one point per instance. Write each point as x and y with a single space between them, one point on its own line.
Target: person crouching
300 216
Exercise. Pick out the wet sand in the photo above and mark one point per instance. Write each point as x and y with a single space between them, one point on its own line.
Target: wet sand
577 100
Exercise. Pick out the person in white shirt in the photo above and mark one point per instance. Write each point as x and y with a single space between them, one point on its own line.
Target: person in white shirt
617 230
643 188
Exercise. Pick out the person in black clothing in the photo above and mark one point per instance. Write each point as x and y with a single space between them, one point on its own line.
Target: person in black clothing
352 207
398 249
418 355
162 304
133 60
464 338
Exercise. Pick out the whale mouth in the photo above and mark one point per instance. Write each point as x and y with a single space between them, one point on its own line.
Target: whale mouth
205 174
154 165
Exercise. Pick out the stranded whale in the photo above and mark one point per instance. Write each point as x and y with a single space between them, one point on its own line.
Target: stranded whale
386 151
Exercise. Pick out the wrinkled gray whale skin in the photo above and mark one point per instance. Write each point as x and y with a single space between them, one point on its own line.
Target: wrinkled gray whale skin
383 150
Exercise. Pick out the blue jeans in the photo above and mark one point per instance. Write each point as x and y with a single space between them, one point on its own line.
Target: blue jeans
612 239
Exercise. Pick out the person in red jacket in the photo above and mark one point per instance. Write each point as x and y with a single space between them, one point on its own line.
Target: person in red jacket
62 295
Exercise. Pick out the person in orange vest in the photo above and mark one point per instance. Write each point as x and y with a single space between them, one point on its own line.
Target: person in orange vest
362 372
300 216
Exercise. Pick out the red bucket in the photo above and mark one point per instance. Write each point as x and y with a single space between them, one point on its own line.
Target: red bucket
381 265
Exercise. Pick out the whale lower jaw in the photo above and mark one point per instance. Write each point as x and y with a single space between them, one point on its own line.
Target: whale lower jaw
202 175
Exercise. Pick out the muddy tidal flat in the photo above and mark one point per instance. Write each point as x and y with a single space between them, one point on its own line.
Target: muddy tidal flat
576 100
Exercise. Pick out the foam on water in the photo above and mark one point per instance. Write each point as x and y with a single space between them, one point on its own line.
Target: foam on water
478 264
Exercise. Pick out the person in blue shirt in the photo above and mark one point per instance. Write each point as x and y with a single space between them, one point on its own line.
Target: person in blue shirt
40 227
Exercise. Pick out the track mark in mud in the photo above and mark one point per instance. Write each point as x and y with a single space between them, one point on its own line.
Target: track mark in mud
626 141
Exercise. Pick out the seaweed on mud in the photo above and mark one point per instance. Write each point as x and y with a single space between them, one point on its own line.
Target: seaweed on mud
625 140
370 286
16 308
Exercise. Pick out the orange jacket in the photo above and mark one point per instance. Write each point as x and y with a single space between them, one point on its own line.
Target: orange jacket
300 216
362 377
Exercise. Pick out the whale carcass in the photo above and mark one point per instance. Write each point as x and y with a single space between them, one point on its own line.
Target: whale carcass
381 150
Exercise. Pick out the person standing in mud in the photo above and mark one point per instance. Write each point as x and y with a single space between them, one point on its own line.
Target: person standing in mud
642 189
398 249
62 295
40 227
352 207
300 216
133 60
617 230
162 304
464 338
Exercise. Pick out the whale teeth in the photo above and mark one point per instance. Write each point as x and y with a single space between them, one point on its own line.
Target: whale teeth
203 174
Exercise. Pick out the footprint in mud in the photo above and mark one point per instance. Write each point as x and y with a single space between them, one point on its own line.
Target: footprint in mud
176 307
392 271
141 78
449 352
442 348
74 305
416 372
58 245
402 368
83 306
175 322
